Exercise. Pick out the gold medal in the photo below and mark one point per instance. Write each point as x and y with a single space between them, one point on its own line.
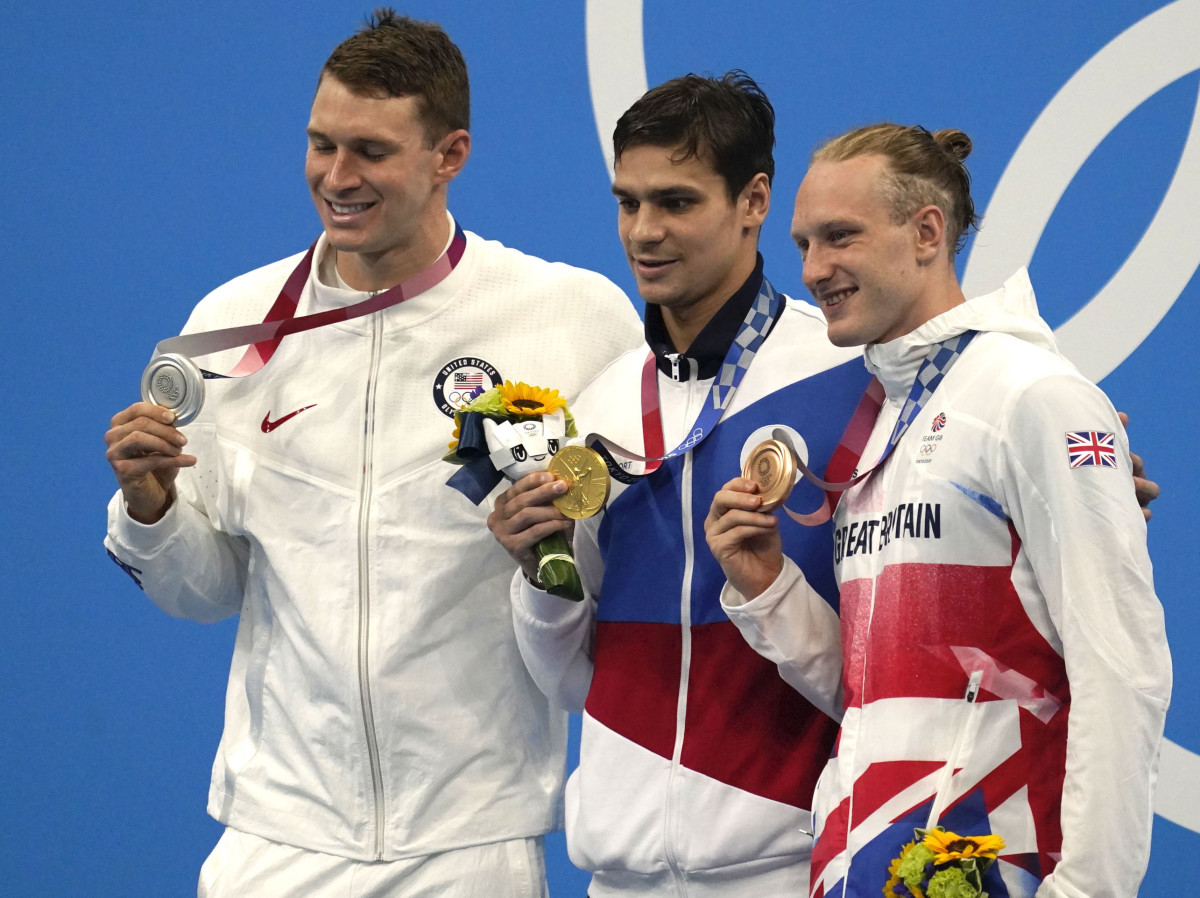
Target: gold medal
772 466
587 481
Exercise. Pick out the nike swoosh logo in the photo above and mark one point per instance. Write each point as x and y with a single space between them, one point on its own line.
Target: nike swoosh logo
268 425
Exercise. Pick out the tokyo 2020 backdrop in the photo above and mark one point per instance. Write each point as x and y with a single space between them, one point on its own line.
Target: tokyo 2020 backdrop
154 150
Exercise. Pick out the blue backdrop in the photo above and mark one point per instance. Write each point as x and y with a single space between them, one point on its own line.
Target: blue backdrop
156 150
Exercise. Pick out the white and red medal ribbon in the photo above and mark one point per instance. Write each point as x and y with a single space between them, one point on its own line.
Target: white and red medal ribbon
263 339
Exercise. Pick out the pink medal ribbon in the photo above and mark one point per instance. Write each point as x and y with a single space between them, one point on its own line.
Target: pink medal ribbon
174 381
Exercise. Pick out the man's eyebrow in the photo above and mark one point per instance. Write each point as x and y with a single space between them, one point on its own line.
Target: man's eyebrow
364 141
824 227
659 193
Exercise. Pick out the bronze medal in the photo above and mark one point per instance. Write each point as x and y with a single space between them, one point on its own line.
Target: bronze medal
587 481
773 467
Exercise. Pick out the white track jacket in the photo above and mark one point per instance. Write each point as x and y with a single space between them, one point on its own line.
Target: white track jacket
377 706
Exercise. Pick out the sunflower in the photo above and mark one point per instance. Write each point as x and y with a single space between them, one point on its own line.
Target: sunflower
948 846
525 400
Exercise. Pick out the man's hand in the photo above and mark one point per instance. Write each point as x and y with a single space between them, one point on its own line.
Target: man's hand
1145 490
146 453
524 515
744 540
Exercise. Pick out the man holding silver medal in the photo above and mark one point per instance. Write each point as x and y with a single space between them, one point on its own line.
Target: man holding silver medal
382 735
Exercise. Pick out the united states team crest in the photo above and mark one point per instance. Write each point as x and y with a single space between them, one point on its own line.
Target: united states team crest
460 381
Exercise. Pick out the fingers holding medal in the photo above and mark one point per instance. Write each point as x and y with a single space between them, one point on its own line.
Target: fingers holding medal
772 466
175 382
587 479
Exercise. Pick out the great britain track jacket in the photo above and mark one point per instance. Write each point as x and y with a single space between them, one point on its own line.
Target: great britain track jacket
1005 662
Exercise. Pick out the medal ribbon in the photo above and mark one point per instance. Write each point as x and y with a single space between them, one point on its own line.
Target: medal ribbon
937 364
263 339
738 357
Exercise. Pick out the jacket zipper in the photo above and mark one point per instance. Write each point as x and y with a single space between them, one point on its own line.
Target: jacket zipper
685 665
364 589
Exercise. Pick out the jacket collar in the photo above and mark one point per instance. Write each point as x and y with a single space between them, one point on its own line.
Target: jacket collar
708 350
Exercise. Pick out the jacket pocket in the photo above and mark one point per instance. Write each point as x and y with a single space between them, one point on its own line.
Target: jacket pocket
965 728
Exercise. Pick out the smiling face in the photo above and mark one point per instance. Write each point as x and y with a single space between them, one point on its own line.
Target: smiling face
378 186
689 245
867 272
524 446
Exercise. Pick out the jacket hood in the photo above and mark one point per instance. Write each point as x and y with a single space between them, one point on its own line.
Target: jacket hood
1012 309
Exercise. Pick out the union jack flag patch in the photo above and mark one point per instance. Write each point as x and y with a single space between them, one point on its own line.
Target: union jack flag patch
1091 448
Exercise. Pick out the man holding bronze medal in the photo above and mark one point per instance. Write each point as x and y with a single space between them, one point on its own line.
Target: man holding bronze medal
1001 661
382 735
697 762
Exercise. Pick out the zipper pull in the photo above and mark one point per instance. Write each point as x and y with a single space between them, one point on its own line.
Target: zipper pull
973 686
674 357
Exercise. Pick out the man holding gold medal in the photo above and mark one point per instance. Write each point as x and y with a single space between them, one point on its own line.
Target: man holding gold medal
698 762
382 735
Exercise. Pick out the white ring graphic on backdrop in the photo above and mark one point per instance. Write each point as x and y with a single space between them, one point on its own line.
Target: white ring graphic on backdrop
616 63
1130 69
1133 67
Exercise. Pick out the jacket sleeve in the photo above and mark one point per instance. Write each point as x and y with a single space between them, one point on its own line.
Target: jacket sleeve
186 563
792 626
186 566
1085 539
554 634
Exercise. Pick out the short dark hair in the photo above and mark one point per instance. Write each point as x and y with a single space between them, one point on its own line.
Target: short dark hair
728 119
923 169
395 56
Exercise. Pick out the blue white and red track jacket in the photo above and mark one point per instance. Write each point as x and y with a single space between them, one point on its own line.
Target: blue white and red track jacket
698 761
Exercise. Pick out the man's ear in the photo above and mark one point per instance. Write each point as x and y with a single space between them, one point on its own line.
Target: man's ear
929 223
757 197
454 149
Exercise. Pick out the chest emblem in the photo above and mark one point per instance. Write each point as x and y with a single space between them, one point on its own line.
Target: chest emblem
930 441
460 381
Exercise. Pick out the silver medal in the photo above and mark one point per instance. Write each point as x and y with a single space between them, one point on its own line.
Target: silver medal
174 381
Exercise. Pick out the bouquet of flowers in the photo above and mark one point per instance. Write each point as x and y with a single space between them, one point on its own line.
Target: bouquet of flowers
941 864
510 431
